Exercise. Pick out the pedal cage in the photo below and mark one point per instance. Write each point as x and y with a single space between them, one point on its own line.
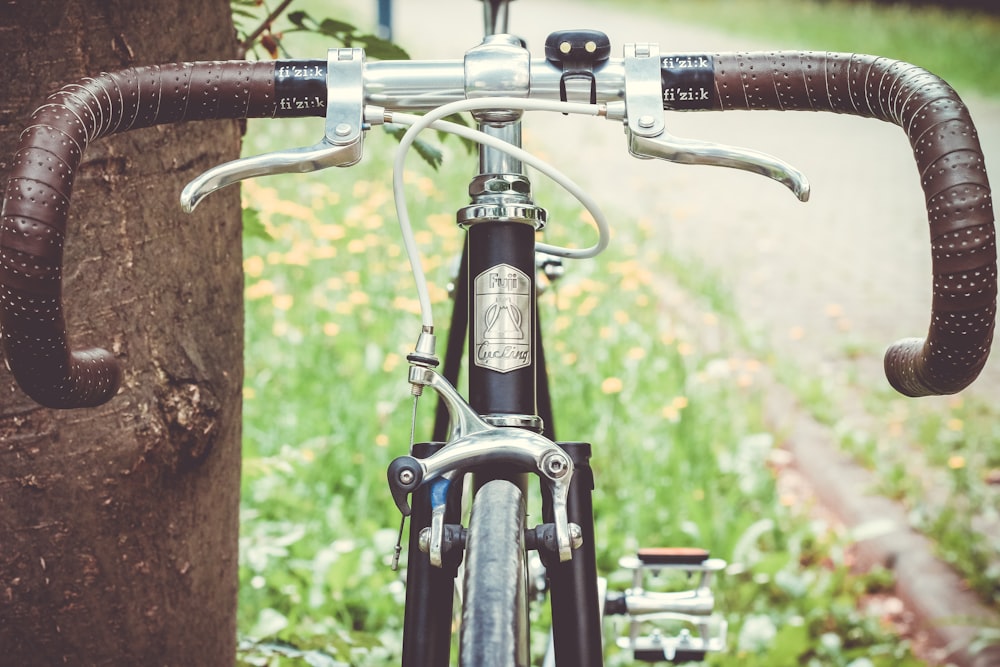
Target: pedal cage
675 626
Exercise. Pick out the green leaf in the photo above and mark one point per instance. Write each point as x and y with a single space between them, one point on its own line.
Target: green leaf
337 29
299 19
253 227
430 154
277 648
771 564
382 49
459 119
791 642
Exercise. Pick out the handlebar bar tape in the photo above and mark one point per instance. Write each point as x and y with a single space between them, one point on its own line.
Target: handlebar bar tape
940 130
953 177
36 200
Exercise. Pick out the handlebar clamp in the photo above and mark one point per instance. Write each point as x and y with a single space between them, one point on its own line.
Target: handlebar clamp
499 67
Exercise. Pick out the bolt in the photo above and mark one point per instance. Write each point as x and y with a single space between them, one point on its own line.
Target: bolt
406 477
555 466
521 187
499 184
424 541
646 121
343 129
575 535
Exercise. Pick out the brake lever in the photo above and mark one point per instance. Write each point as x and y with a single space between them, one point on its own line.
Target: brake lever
691 151
648 137
341 146
297 160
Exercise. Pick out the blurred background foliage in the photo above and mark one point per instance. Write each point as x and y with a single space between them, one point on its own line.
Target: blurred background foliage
684 455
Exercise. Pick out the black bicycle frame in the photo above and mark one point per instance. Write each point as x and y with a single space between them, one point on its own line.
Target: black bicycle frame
495 317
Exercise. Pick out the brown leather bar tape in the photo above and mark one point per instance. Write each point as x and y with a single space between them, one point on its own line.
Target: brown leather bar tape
36 205
953 177
935 120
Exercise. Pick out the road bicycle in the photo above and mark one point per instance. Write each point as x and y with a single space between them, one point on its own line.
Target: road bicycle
492 443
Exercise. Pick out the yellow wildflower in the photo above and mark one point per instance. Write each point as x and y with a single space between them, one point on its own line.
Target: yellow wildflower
612 385
636 353
283 301
260 289
253 266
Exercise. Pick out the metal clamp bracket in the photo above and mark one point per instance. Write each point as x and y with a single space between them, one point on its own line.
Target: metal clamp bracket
643 94
345 94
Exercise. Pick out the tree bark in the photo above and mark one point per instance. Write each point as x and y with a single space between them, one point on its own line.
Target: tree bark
118 525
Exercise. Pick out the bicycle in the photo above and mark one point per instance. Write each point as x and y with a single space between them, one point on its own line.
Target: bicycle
503 432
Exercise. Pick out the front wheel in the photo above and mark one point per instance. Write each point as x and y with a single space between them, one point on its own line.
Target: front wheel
495 613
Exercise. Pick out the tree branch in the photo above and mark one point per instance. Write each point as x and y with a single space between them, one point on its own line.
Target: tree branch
266 25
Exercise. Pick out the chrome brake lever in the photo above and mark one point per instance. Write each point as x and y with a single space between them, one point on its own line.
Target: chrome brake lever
691 151
297 160
340 147
648 137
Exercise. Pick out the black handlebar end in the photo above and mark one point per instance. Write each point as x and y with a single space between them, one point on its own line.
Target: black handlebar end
901 367
86 379
909 369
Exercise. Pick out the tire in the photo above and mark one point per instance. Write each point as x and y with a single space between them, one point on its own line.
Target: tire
494 630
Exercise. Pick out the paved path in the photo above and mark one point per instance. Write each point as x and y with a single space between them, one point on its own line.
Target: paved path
799 273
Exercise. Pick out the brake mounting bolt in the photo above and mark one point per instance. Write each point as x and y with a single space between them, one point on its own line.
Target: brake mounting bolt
575 535
556 466
406 477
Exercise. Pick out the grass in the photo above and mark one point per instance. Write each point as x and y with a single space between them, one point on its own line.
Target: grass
682 455
938 457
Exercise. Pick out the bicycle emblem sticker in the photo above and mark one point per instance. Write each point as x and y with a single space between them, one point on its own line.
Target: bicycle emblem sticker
503 333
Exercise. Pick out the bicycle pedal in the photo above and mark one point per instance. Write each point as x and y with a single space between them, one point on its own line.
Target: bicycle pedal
669 619
672 555
678 649
672 637
672 566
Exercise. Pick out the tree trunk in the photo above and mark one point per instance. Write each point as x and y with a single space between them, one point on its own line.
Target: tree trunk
118 525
